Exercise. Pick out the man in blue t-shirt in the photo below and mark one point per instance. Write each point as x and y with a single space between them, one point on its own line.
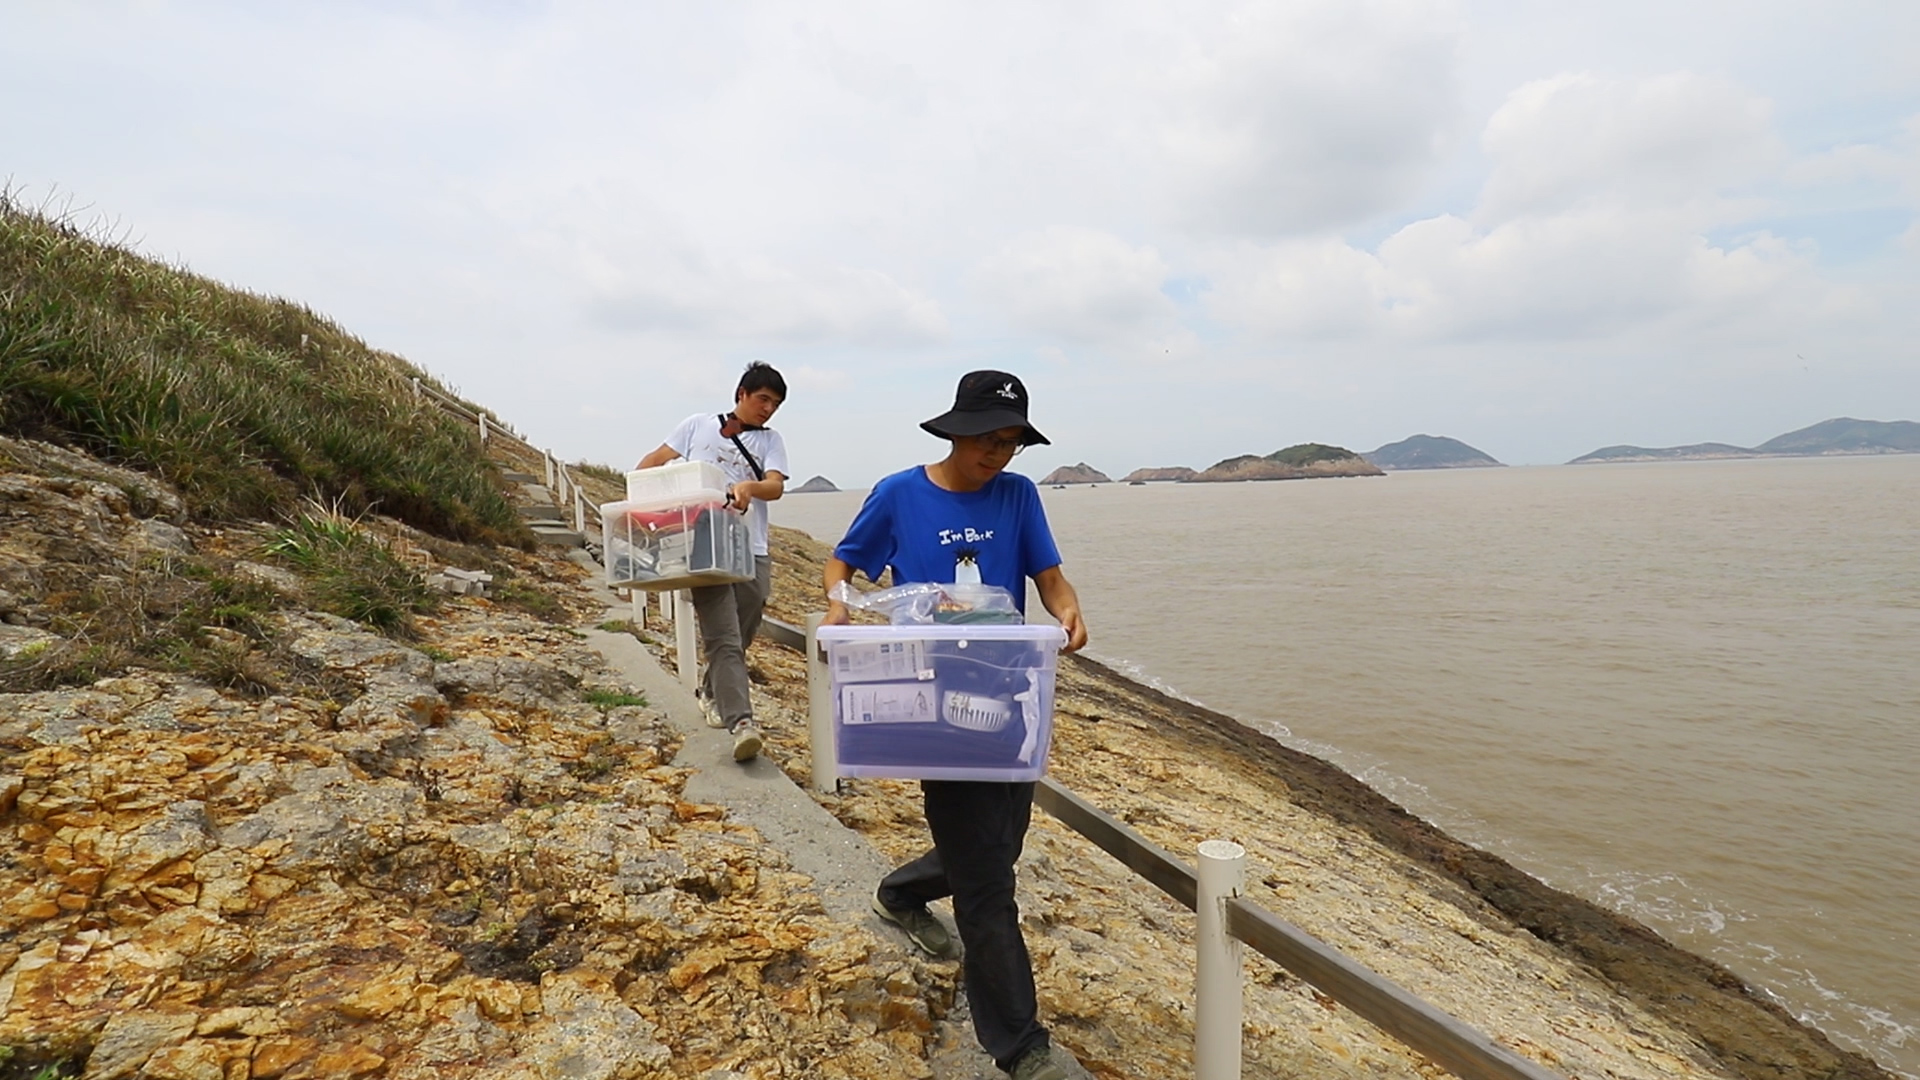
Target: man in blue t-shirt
966 519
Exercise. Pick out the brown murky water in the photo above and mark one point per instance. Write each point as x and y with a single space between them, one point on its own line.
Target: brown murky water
1689 691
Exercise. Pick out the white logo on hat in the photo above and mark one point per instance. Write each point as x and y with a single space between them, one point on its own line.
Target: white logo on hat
1007 392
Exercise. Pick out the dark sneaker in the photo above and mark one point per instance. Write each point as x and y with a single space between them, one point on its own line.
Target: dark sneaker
746 741
920 925
1038 1064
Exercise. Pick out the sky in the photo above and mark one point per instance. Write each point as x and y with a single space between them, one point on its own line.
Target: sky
1194 230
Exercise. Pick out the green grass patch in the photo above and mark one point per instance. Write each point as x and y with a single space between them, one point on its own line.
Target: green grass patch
531 599
242 402
617 626
612 699
350 572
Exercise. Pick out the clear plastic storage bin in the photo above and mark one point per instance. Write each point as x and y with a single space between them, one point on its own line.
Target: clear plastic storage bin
942 702
674 481
676 543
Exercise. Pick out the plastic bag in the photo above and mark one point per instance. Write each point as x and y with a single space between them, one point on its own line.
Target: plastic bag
930 602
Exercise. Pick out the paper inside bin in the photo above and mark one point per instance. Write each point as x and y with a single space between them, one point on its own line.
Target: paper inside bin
887 703
881 661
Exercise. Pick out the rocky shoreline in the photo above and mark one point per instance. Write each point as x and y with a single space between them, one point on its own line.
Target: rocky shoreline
326 852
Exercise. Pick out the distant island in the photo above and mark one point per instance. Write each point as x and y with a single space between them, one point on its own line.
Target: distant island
1829 438
1299 462
818 483
1430 452
1082 473
1173 474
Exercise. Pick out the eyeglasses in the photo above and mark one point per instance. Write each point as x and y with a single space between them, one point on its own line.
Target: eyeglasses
994 444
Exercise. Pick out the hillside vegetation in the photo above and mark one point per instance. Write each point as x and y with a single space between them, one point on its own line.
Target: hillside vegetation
246 404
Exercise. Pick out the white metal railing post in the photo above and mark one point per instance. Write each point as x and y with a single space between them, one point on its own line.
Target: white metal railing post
683 638
546 458
579 512
1217 996
825 766
416 388
483 427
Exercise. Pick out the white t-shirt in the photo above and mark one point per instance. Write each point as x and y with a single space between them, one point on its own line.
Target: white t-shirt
698 438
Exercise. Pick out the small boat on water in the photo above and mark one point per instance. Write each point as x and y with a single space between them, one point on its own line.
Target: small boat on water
1136 483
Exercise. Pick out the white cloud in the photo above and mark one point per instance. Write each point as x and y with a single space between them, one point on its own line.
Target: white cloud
1893 161
759 299
1592 223
1578 140
1077 284
1296 118
1307 288
1445 193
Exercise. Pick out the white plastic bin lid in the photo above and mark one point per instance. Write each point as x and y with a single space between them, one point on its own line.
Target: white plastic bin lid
1042 634
675 477
662 502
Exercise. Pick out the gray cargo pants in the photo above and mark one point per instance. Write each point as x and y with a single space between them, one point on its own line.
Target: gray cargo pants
729 616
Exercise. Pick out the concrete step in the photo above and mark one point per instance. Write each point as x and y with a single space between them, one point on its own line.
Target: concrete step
515 476
558 535
539 513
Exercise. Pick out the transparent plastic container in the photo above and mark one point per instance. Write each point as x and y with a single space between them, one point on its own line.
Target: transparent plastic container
676 542
933 702
675 480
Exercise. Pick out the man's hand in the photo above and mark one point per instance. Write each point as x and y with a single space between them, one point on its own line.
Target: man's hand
1076 629
738 498
836 572
1057 595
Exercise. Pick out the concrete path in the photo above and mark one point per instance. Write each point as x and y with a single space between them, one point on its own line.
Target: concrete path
844 867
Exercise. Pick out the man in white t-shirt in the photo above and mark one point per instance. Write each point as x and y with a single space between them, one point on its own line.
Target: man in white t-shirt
755 460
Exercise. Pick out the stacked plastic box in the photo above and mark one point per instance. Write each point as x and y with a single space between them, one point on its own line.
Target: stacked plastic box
942 702
675 531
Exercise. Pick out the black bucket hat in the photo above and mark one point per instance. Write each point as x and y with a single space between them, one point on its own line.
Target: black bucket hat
987 401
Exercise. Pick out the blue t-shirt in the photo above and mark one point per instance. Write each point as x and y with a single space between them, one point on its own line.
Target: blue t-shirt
995 536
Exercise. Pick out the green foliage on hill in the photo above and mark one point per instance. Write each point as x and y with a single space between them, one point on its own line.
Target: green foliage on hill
245 403
1304 454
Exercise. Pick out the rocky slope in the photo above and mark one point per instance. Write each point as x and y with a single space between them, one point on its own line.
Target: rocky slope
460 856
468 855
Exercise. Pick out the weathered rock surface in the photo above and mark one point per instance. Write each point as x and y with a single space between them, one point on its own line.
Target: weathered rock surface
451 865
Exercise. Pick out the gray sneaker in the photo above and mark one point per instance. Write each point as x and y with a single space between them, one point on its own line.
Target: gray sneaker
1038 1064
920 925
746 741
708 713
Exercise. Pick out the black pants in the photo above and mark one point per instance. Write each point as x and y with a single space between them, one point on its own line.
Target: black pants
978 830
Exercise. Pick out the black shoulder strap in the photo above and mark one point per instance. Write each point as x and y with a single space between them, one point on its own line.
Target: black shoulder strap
752 462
